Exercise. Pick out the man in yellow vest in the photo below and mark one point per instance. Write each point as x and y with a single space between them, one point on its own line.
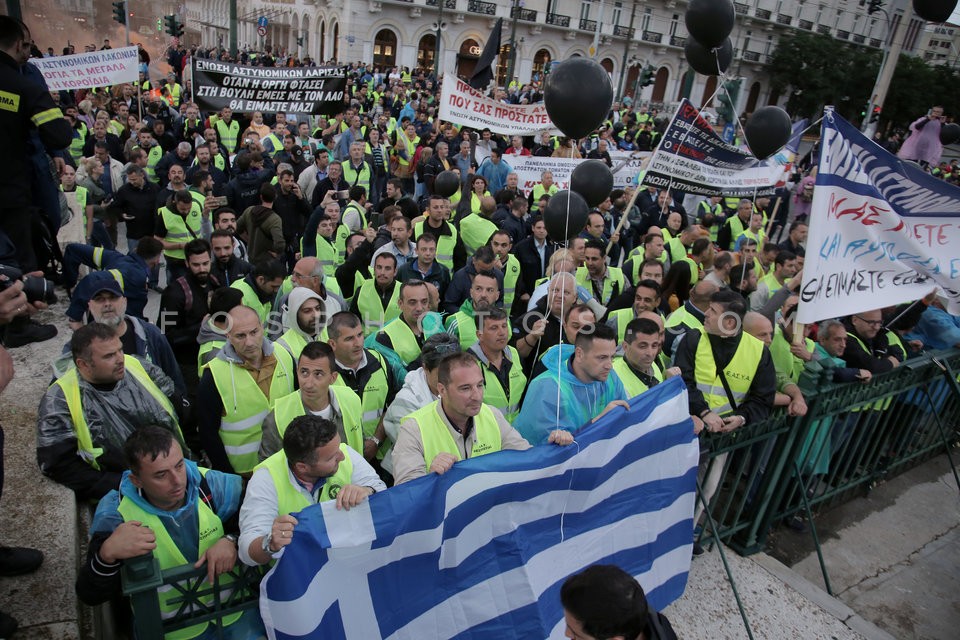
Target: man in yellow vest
356 170
450 250
303 319
484 292
228 130
237 391
178 222
457 426
476 228
365 372
753 232
688 317
546 186
405 335
646 297
729 374
509 265
504 380
314 466
167 505
259 288
785 268
87 414
317 395
637 368
376 302
604 282
735 225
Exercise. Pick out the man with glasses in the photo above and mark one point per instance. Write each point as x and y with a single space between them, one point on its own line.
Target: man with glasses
868 345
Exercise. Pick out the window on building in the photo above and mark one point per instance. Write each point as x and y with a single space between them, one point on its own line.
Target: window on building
426 50
674 24
584 10
617 11
645 20
385 48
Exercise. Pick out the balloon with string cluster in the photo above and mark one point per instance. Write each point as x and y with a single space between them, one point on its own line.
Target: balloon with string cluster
578 96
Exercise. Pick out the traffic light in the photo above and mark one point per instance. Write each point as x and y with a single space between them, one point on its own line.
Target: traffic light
646 76
873 6
875 116
174 28
159 25
120 12
300 41
728 99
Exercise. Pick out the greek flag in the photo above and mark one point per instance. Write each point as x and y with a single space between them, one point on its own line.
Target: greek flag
481 552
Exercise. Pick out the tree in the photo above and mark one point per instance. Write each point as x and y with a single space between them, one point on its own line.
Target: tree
817 70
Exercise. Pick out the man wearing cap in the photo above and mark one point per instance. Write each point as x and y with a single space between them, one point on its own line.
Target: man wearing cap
88 413
101 296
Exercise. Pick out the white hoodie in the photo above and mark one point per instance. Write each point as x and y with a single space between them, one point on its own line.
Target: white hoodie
414 395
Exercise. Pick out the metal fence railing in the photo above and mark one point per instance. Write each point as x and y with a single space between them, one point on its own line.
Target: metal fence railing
853 436
752 479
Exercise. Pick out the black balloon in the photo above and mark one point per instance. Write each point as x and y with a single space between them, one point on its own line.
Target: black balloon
950 133
593 180
578 94
767 131
709 22
565 215
446 184
707 61
934 10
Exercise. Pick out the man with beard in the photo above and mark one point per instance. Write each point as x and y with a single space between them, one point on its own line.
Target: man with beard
183 306
227 268
225 219
176 181
206 162
303 321
177 224
293 211
107 305
504 380
465 324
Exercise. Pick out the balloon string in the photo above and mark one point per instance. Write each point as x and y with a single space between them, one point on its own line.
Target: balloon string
566 233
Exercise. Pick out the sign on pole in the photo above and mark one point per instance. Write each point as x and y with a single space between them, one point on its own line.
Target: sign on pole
261 31
262 21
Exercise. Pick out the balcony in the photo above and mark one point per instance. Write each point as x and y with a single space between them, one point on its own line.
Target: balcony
875 43
558 20
843 35
823 29
623 32
448 4
527 15
652 36
764 14
784 19
588 25
806 24
859 38
484 8
678 41
741 8
751 56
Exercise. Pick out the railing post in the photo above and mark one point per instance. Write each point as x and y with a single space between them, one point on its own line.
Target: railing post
141 579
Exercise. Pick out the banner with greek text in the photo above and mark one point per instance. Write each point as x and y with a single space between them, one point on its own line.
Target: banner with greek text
691 157
882 231
86 70
301 90
463 105
529 169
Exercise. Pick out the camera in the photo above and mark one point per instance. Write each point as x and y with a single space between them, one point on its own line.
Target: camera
36 288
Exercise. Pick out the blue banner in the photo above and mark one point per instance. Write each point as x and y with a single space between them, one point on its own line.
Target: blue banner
481 551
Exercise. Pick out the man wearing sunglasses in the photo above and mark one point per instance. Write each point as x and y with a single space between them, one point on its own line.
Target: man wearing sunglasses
869 345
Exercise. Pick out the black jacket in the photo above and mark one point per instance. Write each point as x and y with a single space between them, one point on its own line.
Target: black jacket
140 204
183 306
530 270
27 107
227 274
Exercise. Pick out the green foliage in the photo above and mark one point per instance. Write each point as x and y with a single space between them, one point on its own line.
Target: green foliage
817 70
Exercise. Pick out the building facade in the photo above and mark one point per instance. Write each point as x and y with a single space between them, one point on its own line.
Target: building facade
624 36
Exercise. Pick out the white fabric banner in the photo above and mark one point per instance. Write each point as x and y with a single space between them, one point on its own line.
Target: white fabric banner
882 231
529 169
86 70
463 105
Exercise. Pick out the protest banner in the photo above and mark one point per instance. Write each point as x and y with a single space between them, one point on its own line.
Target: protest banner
694 159
882 231
301 90
529 169
86 70
481 551
463 105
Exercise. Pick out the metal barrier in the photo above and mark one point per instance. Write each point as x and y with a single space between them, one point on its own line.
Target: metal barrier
853 436
197 600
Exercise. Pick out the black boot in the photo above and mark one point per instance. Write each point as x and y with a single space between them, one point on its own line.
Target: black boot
15 561
22 331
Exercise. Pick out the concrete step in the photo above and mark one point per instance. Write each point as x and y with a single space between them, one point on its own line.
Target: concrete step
892 556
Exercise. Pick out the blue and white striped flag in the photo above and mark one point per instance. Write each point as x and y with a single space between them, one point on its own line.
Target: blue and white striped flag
481 552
